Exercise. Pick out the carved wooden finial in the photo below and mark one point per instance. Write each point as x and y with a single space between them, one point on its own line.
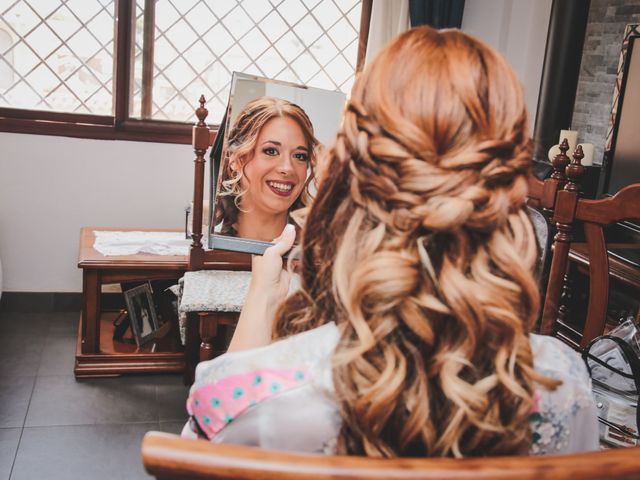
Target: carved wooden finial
561 161
201 112
575 170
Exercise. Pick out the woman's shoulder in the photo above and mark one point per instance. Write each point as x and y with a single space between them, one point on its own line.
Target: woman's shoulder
555 359
307 350
563 419
246 396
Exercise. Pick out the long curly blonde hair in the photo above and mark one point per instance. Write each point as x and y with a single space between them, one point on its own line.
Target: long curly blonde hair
418 245
241 144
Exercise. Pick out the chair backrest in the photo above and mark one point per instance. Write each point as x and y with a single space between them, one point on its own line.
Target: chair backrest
570 210
169 457
541 201
199 257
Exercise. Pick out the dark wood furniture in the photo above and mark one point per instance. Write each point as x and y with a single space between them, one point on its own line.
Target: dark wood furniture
206 331
169 457
542 193
623 297
199 257
207 336
593 215
619 270
97 354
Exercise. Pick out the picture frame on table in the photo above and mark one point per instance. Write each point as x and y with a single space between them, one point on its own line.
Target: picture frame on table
142 313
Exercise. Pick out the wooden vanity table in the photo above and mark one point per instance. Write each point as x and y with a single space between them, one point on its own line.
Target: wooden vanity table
97 354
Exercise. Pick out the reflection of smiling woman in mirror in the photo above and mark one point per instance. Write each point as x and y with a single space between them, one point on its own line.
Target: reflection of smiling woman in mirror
269 164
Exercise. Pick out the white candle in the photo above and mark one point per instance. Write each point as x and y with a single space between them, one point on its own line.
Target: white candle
554 152
572 138
587 149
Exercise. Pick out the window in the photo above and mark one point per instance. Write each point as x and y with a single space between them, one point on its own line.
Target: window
134 69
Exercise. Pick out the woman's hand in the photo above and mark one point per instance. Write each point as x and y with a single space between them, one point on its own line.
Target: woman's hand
269 285
267 274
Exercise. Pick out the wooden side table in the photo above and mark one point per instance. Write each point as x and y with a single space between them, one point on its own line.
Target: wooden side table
97 354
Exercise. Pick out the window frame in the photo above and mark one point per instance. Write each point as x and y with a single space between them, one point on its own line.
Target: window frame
121 126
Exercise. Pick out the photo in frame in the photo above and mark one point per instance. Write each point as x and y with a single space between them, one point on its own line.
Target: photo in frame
142 313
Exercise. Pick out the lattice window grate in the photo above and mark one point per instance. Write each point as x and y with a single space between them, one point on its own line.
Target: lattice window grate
199 43
57 55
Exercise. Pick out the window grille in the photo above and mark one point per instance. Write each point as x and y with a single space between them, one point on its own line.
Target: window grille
199 43
57 55
134 69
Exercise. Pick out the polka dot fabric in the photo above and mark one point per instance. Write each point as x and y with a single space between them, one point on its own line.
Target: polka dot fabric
216 405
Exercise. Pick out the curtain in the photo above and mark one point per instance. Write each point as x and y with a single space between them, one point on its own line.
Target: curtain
389 18
437 13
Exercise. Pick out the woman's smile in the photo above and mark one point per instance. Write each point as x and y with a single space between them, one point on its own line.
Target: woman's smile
282 188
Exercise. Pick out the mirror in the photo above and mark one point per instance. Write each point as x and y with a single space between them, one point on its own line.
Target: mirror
263 160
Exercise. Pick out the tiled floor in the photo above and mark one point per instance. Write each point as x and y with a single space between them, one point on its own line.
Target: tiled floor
56 427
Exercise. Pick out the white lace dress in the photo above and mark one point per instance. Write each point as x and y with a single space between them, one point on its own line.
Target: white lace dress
281 397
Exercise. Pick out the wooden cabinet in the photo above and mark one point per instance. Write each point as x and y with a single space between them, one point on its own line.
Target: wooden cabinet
97 354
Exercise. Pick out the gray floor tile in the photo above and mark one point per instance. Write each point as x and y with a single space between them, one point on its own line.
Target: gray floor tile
171 398
15 393
88 451
65 323
9 439
63 400
20 353
27 323
58 355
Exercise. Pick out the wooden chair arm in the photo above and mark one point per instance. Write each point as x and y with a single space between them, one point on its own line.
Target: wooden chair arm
168 457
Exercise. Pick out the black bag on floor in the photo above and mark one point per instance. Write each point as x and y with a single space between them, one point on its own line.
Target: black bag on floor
613 362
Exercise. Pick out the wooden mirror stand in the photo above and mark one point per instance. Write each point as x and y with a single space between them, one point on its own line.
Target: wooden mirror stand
199 257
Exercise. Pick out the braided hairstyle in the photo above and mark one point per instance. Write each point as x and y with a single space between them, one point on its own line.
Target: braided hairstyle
419 247
241 144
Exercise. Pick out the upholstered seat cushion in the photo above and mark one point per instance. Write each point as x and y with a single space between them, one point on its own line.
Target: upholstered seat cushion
214 291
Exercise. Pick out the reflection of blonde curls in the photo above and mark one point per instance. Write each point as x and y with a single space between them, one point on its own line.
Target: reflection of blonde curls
418 244
241 144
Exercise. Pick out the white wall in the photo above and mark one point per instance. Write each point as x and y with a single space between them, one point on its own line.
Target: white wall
50 187
518 30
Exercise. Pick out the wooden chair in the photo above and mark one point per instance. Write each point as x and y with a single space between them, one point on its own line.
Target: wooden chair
169 457
571 210
206 332
541 202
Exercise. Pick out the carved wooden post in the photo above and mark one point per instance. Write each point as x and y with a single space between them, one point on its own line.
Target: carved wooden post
560 162
200 142
575 171
564 215
208 332
556 181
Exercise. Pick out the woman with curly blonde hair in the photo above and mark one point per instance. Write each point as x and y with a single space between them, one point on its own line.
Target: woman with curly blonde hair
270 154
410 334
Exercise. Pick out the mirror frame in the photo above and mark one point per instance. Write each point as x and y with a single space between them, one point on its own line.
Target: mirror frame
631 34
216 241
